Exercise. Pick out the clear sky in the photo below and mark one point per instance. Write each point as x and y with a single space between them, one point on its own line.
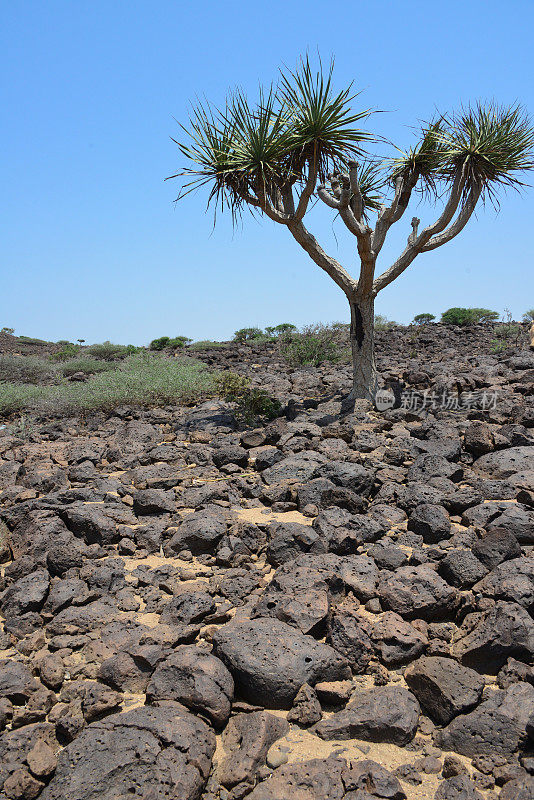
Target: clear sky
92 245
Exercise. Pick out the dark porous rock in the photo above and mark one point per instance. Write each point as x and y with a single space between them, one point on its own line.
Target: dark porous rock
64 556
199 532
270 660
504 463
99 701
443 687
459 787
290 539
385 714
348 632
305 609
230 454
295 469
512 580
369 777
163 750
16 745
188 608
478 438
306 709
306 780
17 683
430 521
518 789
497 725
461 568
343 529
505 631
513 517
196 679
153 501
429 466
246 740
458 501
26 594
417 592
387 555
514 671
396 641
496 546
360 575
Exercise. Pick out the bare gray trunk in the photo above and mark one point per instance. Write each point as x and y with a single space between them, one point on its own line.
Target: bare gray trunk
362 340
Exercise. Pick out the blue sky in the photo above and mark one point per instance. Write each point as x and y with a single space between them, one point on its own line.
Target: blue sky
92 245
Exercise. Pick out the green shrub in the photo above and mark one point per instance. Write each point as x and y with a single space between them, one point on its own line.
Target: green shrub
313 345
159 344
143 379
423 319
67 352
106 351
90 366
246 334
31 340
207 345
25 369
10 331
251 403
468 316
528 316
382 323
279 330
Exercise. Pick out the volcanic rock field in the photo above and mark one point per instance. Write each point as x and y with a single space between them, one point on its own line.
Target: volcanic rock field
333 605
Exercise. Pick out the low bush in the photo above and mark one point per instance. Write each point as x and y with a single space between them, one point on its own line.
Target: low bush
382 323
246 334
423 319
90 366
313 345
528 316
67 352
141 379
207 345
25 369
278 330
31 340
468 316
106 351
251 402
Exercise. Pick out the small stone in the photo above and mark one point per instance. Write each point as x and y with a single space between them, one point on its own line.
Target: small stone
41 759
22 786
275 757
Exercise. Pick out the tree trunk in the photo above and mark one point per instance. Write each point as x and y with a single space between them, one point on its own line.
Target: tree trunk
362 340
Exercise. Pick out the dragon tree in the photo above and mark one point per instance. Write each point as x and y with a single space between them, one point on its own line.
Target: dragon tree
301 143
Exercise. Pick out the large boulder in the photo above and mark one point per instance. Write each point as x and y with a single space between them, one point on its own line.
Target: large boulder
246 741
331 779
443 687
513 580
417 592
197 679
384 714
498 725
504 463
270 660
487 640
164 750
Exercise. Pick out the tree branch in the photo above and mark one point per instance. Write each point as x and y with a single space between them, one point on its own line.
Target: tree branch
266 205
458 225
332 267
307 191
357 200
415 247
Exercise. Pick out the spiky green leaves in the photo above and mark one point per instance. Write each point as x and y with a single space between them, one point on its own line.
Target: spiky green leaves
248 150
321 120
492 144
